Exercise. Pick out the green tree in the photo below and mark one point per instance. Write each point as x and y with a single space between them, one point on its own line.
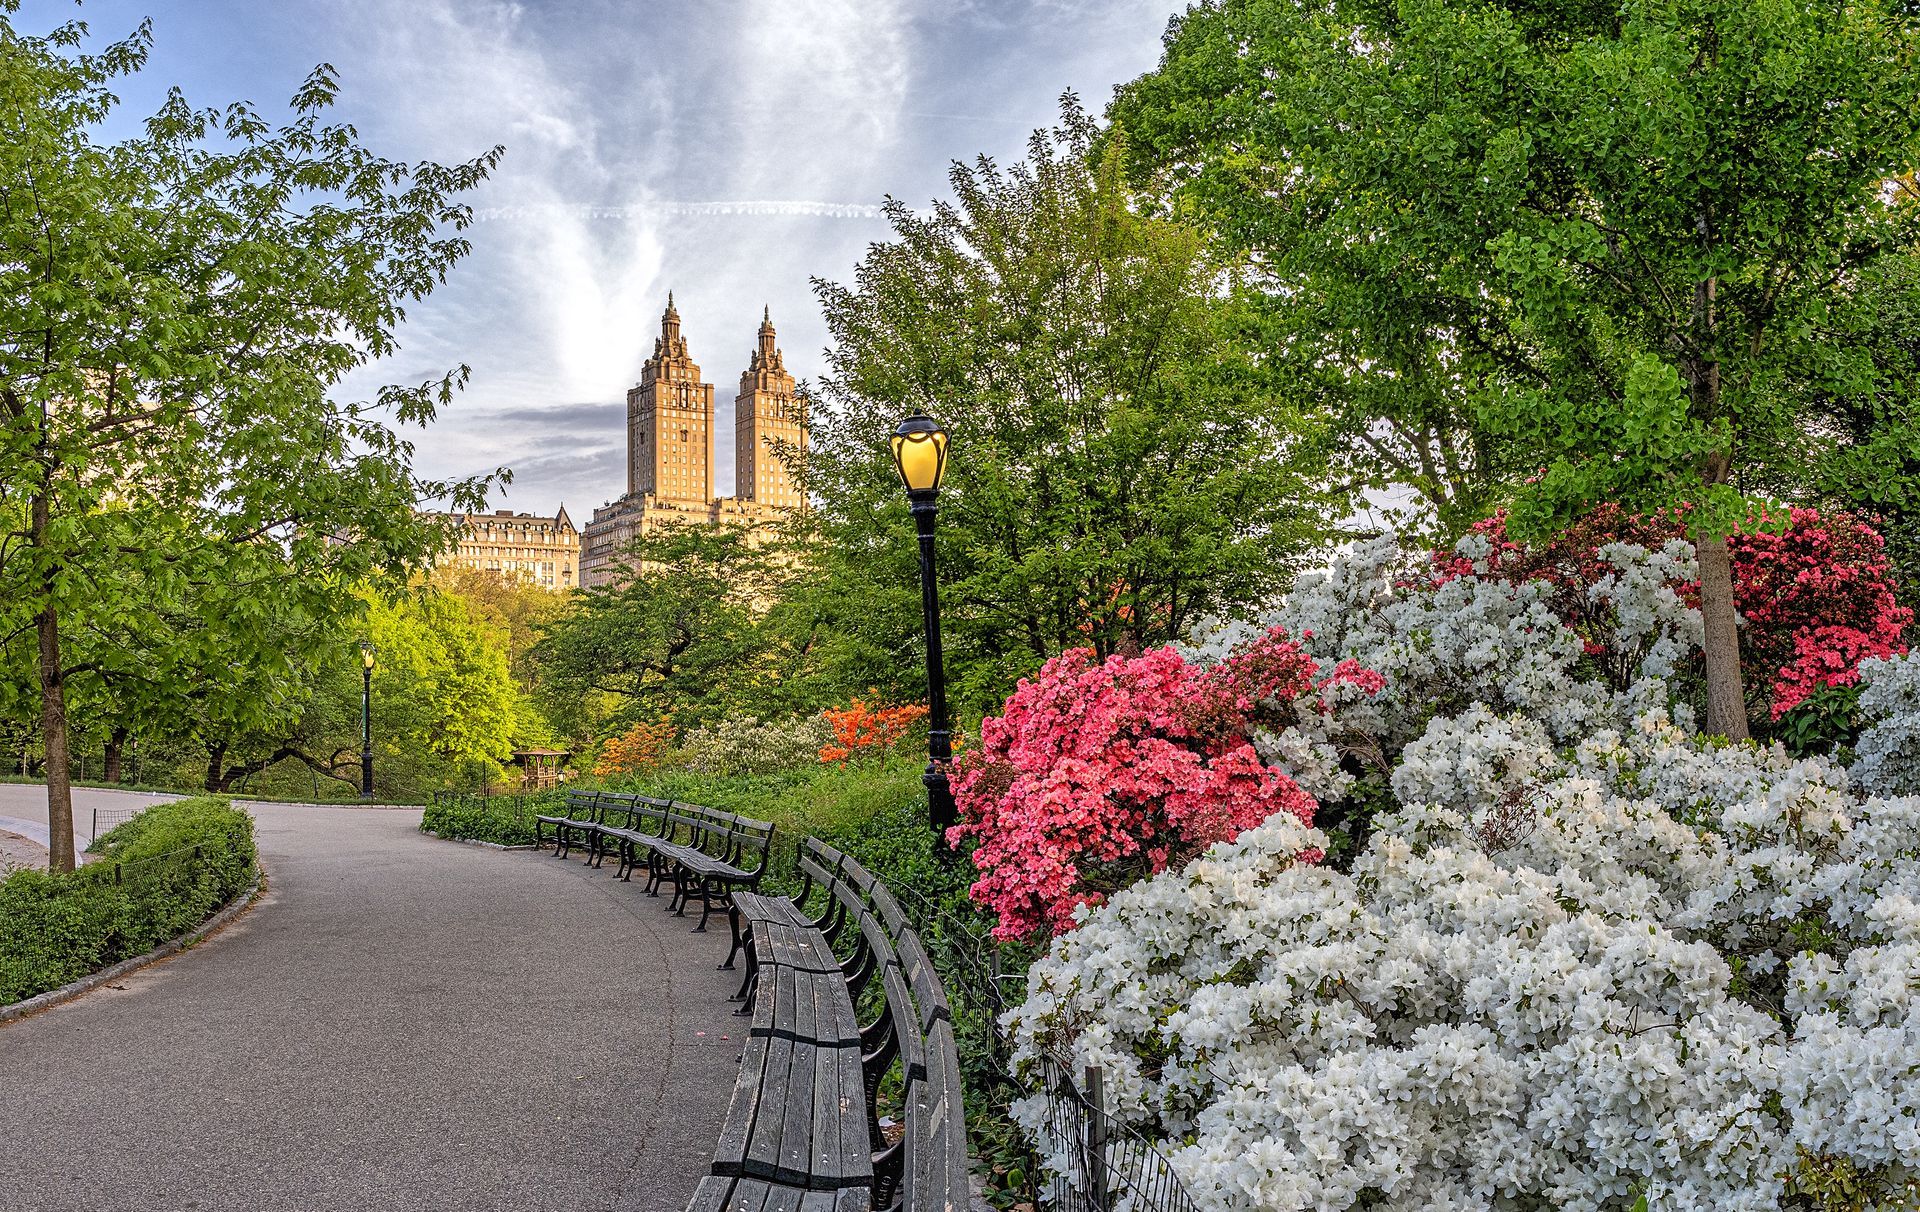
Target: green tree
174 310
443 701
680 635
1122 461
1616 230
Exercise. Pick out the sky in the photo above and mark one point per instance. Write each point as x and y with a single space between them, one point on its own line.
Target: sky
634 129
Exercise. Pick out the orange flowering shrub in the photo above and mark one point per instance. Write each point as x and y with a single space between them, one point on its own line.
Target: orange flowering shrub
643 747
860 729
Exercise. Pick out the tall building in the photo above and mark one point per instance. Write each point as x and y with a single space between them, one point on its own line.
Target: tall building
520 546
670 430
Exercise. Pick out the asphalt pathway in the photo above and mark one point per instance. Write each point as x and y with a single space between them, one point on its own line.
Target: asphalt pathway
400 1023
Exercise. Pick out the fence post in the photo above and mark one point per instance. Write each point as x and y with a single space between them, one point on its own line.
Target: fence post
1097 1139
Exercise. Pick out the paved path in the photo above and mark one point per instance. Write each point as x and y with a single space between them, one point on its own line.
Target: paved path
23 810
401 1023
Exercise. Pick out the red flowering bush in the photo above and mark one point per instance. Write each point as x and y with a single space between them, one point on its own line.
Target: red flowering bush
641 748
1098 774
861 729
1816 598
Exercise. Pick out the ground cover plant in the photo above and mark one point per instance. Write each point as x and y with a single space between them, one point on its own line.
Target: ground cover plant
1573 954
153 878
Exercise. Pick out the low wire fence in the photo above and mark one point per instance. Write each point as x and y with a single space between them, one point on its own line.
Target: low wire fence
1092 1161
174 865
107 818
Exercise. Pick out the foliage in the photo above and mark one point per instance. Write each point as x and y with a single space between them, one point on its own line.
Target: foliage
681 637
513 612
862 731
1120 463
442 697
1598 245
504 820
1874 467
745 745
175 308
1101 772
641 748
57 927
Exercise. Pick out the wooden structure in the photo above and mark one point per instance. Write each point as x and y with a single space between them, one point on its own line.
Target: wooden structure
540 768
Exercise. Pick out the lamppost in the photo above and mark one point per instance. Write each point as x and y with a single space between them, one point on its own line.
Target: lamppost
920 455
366 719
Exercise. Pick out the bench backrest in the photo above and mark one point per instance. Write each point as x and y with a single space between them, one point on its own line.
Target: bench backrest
740 841
926 1170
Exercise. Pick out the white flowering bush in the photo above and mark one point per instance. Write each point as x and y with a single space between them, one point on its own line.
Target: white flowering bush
748 746
1888 752
1585 961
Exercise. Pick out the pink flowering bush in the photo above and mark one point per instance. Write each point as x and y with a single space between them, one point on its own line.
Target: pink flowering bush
1101 773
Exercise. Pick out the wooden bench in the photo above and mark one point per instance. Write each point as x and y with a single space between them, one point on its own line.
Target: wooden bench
707 855
579 813
623 819
803 1123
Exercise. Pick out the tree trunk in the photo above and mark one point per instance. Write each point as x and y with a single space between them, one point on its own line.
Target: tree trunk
1726 691
116 743
53 703
53 735
216 763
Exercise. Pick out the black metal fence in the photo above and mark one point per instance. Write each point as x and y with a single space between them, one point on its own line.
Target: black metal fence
1109 1167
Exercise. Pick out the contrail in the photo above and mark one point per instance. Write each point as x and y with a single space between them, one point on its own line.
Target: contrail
553 210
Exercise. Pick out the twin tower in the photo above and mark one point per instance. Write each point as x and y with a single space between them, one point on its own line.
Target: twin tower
670 432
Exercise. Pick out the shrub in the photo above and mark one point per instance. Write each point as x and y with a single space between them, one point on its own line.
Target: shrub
504 820
1682 970
1099 773
1888 755
1816 593
860 730
641 748
54 929
1586 960
749 746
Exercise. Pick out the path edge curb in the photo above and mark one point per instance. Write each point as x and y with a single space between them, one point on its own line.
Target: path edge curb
241 902
468 841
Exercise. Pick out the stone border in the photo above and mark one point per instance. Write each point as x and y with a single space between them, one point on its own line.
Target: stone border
242 901
468 841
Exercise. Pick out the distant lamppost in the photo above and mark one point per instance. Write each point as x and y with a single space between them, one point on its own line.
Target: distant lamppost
366 719
920 455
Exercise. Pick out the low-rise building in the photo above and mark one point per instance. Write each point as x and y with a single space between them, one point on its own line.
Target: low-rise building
520 546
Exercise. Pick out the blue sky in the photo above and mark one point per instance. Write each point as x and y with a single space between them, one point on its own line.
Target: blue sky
620 119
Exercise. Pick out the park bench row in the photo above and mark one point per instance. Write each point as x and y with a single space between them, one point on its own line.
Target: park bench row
803 1130
704 854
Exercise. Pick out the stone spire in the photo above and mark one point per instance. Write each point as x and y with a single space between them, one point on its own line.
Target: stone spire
766 355
670 343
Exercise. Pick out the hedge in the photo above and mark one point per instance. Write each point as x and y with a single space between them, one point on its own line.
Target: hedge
147 885
504 820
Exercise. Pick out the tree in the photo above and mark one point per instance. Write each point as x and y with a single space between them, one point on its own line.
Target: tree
174 310
1122 463
1624 225
679 637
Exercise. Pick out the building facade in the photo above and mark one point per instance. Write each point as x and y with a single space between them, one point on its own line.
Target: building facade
516 546
670 432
